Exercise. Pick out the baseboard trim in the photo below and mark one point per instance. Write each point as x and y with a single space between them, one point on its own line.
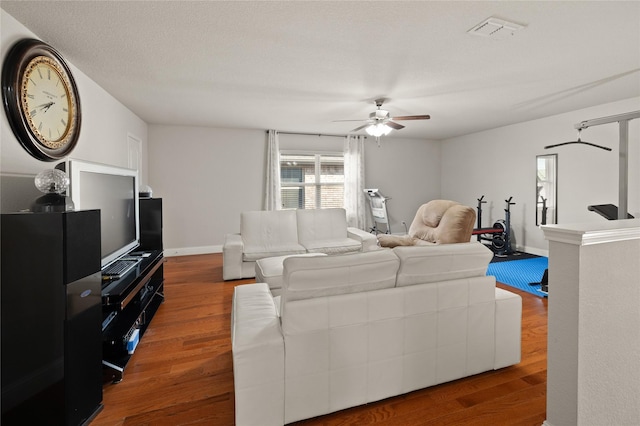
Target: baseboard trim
187 251
533 250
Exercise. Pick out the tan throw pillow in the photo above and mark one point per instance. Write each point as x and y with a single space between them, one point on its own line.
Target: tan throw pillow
391 241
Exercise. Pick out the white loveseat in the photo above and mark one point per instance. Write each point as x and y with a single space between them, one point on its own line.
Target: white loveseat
351 329
286 232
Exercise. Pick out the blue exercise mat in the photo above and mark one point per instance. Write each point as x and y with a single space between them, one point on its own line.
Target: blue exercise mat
519 273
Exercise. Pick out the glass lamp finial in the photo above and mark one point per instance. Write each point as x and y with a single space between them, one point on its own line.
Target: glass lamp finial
52 181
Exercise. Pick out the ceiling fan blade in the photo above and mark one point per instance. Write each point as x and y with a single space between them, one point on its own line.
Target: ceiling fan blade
336 121
394 125
413 117
359 128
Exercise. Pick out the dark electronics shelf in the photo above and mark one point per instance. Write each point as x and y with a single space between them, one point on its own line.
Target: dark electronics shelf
128 305
130 302
118 293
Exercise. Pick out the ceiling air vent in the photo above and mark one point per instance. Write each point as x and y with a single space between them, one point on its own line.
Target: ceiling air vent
495 28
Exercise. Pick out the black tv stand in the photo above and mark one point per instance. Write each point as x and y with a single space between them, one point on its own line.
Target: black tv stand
130 302
128 305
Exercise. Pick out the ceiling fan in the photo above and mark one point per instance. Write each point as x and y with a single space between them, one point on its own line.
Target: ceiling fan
381 123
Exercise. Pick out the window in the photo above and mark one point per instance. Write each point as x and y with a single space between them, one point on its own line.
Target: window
311 181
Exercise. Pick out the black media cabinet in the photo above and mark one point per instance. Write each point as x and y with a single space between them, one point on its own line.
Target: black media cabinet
129 303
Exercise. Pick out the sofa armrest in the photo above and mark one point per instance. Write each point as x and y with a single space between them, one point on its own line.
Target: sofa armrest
232 257
258 356
367 239
508 328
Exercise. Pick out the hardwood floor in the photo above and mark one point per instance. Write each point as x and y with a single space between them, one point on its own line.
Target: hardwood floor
182 373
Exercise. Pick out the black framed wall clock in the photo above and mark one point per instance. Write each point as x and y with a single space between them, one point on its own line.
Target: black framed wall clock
41 100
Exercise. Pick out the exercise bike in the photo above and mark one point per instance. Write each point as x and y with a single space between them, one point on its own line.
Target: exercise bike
499 234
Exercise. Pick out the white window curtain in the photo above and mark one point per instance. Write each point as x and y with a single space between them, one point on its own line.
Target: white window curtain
272 197
354 197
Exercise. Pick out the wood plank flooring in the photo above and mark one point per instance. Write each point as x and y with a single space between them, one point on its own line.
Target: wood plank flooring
182 373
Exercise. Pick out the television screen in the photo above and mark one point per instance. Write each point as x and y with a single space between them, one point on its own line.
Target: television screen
114 191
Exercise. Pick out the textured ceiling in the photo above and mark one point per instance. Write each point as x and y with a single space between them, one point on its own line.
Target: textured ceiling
297 66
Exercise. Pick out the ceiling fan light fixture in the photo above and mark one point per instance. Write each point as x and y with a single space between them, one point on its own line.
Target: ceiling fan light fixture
380 123
378 129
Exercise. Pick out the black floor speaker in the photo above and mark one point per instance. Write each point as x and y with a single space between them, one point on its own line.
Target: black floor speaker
51 318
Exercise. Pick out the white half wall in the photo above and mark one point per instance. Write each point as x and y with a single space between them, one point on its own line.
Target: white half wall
501 163
593 340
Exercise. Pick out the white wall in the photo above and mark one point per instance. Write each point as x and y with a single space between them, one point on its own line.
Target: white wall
497 163
106 124
500 163
207 176
408 171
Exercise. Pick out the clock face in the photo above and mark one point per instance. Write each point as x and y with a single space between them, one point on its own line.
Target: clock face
46 103
41 100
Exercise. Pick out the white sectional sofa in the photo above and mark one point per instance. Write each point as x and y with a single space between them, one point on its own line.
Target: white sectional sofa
285 232
351 329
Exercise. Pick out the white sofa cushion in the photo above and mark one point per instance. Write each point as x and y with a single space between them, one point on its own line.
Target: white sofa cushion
441 262
325 231
269 233
269 270
309 277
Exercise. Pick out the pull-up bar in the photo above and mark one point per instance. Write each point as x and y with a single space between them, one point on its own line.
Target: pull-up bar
623 153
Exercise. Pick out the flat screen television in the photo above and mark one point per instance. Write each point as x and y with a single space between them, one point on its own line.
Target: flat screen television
114 191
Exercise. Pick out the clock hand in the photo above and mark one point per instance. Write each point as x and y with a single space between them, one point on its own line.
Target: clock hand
47 106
